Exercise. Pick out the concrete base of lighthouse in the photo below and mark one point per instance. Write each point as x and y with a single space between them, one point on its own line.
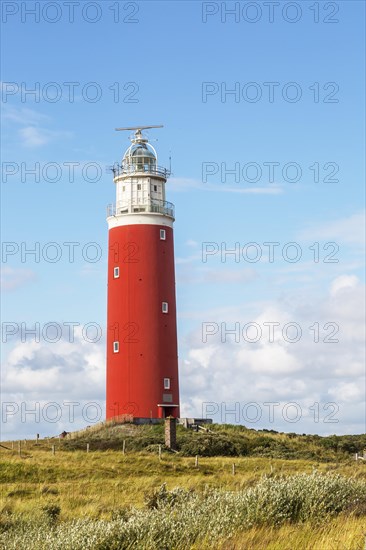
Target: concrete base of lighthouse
185 422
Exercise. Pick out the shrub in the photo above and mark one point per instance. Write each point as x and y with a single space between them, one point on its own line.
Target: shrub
52 512
212 445
179 518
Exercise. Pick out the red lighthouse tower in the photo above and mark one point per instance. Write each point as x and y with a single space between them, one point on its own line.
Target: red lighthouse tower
142 361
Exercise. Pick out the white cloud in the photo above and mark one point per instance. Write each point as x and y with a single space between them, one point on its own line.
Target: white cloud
60 367
313 372
347 391
35 374
203 356
204 275
349 230
188 184
188 259
229 275
33 136
14 278
23 115
343 283
32 132
192 243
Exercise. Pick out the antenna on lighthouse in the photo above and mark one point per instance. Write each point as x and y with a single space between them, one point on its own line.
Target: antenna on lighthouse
139 127
139 137
138 130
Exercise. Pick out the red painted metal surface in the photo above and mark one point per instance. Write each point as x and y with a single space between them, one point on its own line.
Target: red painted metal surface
147 337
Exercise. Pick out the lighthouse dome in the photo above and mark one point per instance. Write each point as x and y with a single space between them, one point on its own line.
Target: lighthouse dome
140 150
139 157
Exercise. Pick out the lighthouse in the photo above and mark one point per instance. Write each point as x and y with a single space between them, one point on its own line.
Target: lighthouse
142 359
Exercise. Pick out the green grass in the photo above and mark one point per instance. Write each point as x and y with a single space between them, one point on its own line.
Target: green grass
223 440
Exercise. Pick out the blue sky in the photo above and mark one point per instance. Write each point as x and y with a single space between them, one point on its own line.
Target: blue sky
160 65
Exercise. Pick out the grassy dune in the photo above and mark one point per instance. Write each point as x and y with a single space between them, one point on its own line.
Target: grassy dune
109 492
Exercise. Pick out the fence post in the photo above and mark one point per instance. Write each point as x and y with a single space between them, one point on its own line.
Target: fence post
234 469
159 452
124 446
20 448
37 437
196 462
53 449
87 447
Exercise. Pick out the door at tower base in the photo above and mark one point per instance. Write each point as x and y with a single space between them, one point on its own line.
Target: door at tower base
142 362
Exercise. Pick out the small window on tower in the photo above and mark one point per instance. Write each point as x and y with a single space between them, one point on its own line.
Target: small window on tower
115 347
139 187
164 307
162 234
166 383
116 272
155 187
124 188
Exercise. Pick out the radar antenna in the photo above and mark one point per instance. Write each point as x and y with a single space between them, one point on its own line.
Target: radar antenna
138 137
139 128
